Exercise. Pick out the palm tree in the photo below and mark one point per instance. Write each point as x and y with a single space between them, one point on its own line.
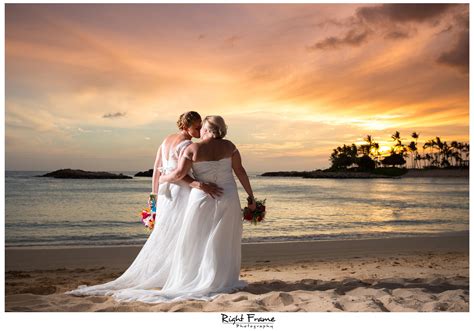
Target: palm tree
377 153
455 153
430 143
343 157
364 149
396 137
373 148
394 159
369 139
424 155
415 136
428 158
418 157
439 145
442 153
446 152
412 149
465 149
399 147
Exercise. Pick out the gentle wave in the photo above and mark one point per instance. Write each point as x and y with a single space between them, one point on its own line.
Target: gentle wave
61 212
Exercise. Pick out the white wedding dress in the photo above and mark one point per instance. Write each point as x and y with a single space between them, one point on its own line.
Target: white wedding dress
206 261
152 265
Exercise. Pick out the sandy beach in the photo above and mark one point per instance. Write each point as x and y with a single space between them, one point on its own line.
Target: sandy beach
397 274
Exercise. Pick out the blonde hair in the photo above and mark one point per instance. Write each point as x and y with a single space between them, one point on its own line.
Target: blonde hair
216 125
186 119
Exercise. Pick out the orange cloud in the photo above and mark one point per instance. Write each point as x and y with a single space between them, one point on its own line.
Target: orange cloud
292 81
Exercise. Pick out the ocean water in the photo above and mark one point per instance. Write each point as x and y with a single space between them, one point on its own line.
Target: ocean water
42 211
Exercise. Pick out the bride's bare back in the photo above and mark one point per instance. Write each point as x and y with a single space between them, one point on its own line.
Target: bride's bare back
171 141
212 150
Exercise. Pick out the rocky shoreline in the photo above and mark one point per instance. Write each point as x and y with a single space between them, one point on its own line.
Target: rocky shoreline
81 174
148 173
463 172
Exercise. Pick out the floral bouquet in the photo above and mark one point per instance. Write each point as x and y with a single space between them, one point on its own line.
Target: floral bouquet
257 215
148 215
147 218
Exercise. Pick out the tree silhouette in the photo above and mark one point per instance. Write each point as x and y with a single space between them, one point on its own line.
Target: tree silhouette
414 148
367 156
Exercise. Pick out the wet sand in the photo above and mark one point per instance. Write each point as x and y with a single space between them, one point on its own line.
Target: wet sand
398 274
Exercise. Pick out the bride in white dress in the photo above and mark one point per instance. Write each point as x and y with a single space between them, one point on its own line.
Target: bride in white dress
152 265
207 258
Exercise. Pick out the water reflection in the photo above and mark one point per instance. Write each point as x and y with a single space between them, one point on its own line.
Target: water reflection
47 211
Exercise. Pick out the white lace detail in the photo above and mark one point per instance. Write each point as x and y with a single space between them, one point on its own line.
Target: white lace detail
181 147
171 163
165 170
164 188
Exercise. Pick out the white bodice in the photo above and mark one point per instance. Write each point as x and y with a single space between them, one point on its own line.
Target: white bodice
170 161
218 172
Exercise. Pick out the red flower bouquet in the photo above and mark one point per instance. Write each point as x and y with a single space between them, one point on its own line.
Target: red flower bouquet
148 215
148 218
257 215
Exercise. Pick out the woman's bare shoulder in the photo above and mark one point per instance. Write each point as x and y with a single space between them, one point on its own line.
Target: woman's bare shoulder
172 138
229 144
193 146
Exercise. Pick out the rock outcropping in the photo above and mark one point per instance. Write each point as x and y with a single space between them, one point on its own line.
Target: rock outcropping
148 173
77 173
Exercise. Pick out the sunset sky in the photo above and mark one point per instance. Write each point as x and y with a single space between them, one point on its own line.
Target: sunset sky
97 87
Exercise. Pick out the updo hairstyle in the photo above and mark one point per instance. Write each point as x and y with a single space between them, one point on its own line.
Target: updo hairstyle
216 125
186 119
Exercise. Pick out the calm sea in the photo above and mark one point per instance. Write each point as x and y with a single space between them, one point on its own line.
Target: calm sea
42 211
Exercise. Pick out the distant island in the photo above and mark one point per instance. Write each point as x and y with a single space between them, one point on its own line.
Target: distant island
328 173
77 173
439 159
379 173
148 173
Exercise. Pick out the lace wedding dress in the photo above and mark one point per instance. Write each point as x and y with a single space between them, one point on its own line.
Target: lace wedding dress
207 258
152 264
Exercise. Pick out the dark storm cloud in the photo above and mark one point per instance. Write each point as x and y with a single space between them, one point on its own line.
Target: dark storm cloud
392 20
403 12
446 29
386 17
462 20
458 56
330 21
354 37
397 34
114 115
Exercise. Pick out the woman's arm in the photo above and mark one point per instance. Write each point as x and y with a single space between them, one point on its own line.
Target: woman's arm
241 174
181 173
210 188
184 165
156 173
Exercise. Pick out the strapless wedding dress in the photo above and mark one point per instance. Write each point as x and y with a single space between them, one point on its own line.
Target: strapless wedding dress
206 262
152 264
